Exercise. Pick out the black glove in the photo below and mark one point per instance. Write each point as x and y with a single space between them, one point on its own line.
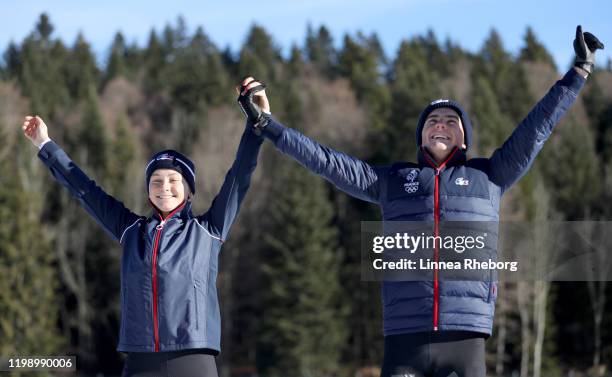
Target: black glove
250 109
585 46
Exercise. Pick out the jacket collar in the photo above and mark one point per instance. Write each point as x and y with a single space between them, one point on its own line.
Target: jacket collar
456 157
183 211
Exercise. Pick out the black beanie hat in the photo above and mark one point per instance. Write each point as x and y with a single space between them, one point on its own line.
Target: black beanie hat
171 159
439 103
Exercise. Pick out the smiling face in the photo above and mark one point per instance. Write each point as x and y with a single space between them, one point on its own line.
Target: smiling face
166 190
442 132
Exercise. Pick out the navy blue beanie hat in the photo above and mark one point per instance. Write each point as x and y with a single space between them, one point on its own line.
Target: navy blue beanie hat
439 103
171 159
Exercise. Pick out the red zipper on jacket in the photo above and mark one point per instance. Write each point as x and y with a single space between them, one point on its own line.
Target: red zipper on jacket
159 228
438 169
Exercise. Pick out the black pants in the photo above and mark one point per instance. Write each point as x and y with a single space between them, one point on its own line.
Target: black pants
189 363
435 354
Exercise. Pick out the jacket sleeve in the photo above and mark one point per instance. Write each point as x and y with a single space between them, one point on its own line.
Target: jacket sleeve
514 158
107 211
349 174
224 208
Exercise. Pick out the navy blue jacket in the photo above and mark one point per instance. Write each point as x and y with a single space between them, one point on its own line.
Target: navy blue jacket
456 190
169 266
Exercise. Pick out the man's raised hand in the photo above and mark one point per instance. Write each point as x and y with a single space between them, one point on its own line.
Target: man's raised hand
585 46
35 129
253 100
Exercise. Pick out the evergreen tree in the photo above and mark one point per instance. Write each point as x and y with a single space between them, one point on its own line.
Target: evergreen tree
217 81
576 179
594 98
180 33
196 76
154 62
437 59
28 287
116 62
365 343
413 86
80 71
508 80
259 56
201 44
44 29
186 79
230 62
320 51
304 326
174 39
12 59
492 125
295 65
453 51
133 60
185 128
292 107
361 62
599 109
534 50
92 140
122 155
40 75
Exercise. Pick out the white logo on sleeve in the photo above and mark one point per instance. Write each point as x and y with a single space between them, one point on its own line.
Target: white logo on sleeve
462 181
412 185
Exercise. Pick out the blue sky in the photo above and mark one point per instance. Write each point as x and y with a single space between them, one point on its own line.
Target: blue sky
467 22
